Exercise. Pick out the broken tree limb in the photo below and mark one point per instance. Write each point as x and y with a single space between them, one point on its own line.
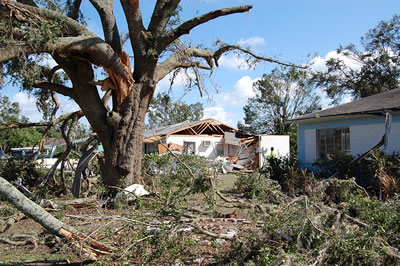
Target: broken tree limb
31 209
52 224
226 199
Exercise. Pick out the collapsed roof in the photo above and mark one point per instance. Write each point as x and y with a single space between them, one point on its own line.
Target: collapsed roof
204 127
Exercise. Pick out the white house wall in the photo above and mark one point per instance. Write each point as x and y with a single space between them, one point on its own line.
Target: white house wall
280 143
311 144
362 137
206 151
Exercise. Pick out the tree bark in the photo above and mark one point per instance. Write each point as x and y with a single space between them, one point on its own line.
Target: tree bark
31 209
53 225
123 147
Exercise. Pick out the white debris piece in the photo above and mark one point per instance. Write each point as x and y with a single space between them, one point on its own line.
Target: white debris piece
137 189
48 204
229 233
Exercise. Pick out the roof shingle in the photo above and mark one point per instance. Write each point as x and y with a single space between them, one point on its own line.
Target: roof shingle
385 101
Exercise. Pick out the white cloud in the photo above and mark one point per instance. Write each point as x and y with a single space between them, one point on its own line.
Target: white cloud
318 63
219 114
28 107
252 42
67 105
232 61
27 104
47 60
229 105
242 90
180 80
235 61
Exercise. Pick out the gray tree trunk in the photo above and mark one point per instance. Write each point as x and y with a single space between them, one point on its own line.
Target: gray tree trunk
31 209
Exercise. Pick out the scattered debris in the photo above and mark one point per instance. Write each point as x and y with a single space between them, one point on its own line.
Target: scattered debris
136 189
48 204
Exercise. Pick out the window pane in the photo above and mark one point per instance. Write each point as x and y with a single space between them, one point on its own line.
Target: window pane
189 147
346 141
330 144
322 143
338 141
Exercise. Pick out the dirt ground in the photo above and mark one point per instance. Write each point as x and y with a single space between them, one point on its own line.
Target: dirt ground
136 233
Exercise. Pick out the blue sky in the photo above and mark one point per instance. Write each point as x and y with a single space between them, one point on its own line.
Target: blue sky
289 30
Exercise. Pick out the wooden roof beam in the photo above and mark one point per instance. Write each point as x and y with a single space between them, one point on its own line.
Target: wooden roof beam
207 126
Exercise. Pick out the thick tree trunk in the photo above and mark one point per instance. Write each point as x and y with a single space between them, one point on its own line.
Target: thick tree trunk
123 149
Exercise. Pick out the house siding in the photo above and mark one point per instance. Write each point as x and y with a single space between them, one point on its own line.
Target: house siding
206 151
365 132
281 144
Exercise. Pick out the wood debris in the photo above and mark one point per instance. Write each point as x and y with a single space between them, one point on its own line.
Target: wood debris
122 86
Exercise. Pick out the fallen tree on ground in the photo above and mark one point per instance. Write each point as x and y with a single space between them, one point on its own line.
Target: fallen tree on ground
49 222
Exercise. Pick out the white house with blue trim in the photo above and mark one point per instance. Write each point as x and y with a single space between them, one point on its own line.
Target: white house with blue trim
352 128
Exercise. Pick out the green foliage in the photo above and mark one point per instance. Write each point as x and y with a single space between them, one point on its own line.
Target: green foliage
176 177
306 232
279 96
27 170
328 167
259 186
386 171
378 172
375 68
26 69
11 113
383 217
283 169
6 211
163 111
164 247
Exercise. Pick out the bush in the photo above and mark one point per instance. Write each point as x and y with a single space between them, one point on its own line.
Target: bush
175 177
285 170
258 185
338 164
377 172
27 170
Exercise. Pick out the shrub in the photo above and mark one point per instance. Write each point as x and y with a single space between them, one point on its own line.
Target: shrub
27 170
258 185
338 164
175 177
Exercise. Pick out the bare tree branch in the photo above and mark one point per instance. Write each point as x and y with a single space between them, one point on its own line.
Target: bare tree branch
137 33
89 47
52 120
73 10
162 13
183 59
187 26
27 2
228 48
110 28
61 89
24 125
74 117
179 60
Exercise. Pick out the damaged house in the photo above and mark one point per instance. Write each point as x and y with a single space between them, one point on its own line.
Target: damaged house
350 129
211 139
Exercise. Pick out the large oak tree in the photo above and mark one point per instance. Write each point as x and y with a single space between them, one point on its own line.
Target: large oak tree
30 27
